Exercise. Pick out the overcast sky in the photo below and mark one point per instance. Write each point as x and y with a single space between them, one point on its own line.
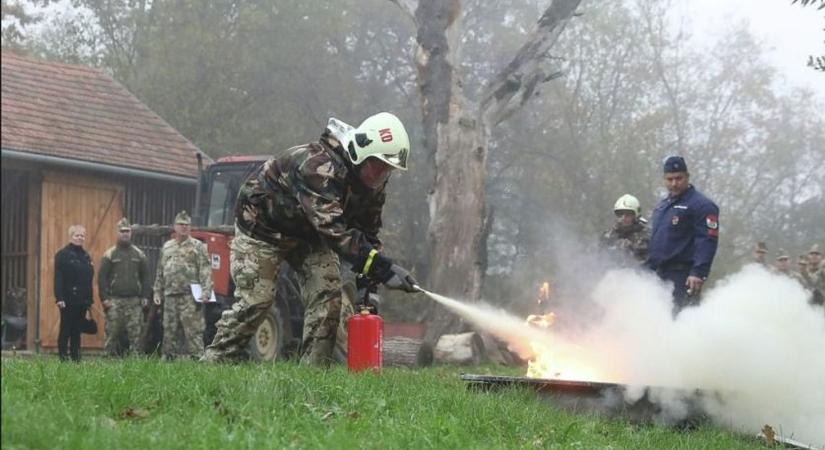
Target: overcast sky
791 31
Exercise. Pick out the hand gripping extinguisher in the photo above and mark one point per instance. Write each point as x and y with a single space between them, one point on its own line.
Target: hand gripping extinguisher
365 333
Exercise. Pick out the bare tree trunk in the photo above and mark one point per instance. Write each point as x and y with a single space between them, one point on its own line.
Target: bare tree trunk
456 132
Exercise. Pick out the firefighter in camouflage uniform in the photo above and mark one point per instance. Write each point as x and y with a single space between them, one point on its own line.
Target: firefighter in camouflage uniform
629 237
183 262
310 205
124 288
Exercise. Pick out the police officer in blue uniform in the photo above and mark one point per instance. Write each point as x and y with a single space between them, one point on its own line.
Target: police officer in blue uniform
684 235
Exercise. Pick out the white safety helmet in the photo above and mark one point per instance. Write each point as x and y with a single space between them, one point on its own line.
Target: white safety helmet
628 202
380 136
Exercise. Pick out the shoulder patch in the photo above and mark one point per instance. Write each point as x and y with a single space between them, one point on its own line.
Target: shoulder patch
712 222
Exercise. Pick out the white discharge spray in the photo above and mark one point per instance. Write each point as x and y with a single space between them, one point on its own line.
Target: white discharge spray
755 342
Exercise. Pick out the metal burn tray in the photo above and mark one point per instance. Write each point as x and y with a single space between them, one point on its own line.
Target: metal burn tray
607 399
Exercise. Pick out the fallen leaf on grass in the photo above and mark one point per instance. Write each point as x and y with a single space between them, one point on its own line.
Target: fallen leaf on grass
353 414
328 415
134 413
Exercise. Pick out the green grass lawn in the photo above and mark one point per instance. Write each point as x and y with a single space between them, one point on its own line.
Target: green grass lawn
148 404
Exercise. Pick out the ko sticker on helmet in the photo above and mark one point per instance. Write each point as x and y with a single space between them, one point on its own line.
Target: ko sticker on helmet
385 134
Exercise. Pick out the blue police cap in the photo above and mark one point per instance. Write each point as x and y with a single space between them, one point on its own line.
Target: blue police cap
675 164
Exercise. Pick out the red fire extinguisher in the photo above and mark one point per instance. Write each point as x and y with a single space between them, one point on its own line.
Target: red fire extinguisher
365 337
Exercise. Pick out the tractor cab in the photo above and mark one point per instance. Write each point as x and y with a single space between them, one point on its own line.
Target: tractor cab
220 183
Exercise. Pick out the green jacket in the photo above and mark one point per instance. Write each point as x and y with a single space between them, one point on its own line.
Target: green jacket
124 272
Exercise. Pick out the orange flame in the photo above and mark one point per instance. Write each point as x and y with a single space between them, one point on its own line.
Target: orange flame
553 363
544 292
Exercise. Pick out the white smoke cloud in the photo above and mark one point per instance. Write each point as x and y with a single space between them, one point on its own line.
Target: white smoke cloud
754 341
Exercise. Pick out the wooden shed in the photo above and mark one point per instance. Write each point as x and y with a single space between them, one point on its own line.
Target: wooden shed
77 148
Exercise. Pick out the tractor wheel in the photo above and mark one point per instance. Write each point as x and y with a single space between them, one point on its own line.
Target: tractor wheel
269 339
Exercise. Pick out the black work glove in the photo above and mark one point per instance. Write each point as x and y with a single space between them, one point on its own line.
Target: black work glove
386 271
401 280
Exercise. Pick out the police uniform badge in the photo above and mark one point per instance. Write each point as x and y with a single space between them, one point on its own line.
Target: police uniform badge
674 220
712 223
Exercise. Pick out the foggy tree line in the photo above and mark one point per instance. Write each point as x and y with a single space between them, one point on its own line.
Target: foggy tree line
625 86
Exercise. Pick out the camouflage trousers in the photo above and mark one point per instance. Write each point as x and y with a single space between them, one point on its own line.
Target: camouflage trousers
254 266
123 317
183 326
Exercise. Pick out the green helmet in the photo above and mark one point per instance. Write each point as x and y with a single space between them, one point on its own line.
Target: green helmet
380 136
628 202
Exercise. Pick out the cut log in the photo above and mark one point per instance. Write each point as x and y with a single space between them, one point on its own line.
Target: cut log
462 349
498 351
407 352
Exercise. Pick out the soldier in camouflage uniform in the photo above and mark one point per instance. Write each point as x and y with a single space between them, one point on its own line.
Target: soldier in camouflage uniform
124 288
760 253
183 262
630 236
783 266
309 206
819 287
814 275
802 265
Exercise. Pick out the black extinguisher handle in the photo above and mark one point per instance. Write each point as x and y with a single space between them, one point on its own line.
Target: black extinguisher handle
365 289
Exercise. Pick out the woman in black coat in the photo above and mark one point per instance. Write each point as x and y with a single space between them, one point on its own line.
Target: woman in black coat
73 273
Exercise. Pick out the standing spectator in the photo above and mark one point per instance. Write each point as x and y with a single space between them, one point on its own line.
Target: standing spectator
760 253
783 262
684 236
815 274
73 273
783 266
124 289
802 265
814 259
183 262
818 283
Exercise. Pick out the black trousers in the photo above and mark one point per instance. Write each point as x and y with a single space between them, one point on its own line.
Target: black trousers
68 339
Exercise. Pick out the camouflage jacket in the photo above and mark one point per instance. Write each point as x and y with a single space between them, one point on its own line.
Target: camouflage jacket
124 272
817 283
311 194
180 265
633 242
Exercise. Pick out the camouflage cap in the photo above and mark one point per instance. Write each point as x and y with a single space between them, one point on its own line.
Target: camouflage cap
183 218
123 225
761 247
803 259
782 255
814 250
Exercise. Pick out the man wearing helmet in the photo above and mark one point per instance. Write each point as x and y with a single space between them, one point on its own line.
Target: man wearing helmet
309 206
629 235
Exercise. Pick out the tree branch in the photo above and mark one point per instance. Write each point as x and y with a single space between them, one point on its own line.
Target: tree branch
408 6
518 81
